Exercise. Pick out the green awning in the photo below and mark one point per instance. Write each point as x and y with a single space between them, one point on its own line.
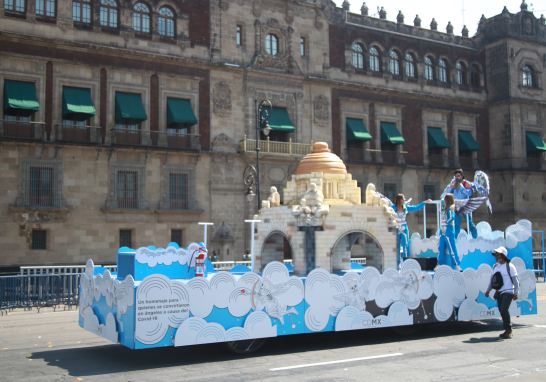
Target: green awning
535 142
20 95
357 131
77 101
129 106
467 142
280 120
436 138
180 111
389 133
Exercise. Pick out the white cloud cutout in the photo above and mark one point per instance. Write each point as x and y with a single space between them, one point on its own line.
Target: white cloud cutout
527 282
476 281
418 245
350 318
107 330
519 232
196 330
472 310
155 308
153 257
449 289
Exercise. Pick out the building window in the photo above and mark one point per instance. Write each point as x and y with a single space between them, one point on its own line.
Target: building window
141 18
127 189
176 237
42 183
429 71
374 60
461 74
39 239
302 46
239 35
527 76
410 66
442 71
166 22
45 8
126 238
109 13
81 11
272 44
475 76
180 189
14 5
395 63
429 192
390 191
358 56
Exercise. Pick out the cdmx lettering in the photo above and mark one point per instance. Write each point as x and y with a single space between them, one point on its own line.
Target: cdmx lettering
374 322
489 313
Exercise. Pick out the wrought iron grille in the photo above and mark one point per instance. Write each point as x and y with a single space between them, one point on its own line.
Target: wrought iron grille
77 133
125 238
128 187
22 130
176 236
180 189
42 183
39 239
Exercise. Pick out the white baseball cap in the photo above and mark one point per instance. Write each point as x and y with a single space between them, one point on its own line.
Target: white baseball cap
500 250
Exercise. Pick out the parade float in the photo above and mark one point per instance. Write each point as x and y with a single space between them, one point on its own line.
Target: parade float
172 297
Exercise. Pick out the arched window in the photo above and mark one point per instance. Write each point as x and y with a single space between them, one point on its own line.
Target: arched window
394 63
429 71
461 73
410 66
442 71
81 11
358 56
272 44
45 8
527 76
166 22
475 76
141 18
109 13
374 60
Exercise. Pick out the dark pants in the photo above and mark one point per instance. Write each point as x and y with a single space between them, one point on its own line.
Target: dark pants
504 302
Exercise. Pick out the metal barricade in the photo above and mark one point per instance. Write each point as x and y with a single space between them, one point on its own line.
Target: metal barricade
38 291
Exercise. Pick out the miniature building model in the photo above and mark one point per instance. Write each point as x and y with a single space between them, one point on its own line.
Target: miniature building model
322 218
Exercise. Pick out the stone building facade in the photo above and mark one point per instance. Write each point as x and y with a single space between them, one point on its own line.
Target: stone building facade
67 195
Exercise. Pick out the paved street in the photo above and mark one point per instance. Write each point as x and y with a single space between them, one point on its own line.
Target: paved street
49 346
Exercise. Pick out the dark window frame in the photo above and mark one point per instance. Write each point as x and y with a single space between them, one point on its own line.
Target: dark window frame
140 15
83 5
39 240
45 14
394 63
527 74
272 44
410 69
239 35
166 19
358 56
177 236
374 62
109 10
126 238
429 69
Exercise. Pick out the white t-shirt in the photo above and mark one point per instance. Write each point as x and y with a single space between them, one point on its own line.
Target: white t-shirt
508 286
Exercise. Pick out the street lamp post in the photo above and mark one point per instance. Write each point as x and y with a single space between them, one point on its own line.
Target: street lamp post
251 175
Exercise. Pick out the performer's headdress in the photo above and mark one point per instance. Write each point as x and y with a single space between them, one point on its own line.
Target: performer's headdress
459 171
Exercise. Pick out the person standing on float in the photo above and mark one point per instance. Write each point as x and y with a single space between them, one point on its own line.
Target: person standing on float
447 239
462 189
401 210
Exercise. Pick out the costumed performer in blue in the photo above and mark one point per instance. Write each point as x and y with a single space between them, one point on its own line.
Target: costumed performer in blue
447 239
401 209
463 189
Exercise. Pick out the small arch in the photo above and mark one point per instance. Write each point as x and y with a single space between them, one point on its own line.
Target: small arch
166 22
429 68
475 75
276 247
410 65
141 18
394 62
527 74
442 70
366 246
358 56
109 13
461 73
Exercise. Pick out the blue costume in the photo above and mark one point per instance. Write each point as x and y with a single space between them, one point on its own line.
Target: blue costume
403 233
464 192
447 239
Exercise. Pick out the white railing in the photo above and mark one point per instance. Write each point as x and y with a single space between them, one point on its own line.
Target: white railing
228 265
62 269
277 147
359 260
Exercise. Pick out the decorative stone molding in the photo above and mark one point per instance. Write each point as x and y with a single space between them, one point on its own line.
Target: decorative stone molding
221 98
322 110
64 26
224 5
284 59
29 219
223 143
271 81
318 20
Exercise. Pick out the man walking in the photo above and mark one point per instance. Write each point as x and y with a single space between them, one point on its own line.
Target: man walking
508 287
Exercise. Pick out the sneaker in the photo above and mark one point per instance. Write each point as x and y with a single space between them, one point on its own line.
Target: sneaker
458 268
507 334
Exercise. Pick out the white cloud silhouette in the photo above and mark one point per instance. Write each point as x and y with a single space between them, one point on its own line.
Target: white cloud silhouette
350 318
153 257
518 233
195 330
476 281
449 290
107 330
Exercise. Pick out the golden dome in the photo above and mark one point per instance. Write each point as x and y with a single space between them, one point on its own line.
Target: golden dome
321 160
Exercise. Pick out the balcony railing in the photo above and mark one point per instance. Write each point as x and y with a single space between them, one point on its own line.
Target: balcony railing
466 163
127 203
22 130
189 205
517 163
375 156
149 138
268 146
80 134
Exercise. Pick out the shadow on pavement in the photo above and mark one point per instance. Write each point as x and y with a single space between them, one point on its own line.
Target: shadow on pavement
98 360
